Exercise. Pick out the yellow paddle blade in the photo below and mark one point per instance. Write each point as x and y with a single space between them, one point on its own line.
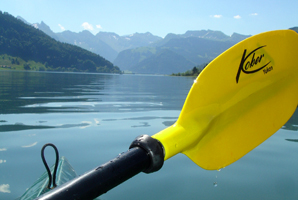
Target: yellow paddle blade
238 101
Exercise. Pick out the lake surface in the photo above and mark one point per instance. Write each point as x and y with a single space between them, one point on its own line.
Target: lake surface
92 118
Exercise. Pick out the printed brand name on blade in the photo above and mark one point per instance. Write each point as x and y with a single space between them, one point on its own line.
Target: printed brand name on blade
251 63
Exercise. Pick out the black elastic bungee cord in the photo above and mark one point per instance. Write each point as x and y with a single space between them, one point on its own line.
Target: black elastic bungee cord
47 167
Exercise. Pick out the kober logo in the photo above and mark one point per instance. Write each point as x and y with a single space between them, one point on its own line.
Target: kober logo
251 63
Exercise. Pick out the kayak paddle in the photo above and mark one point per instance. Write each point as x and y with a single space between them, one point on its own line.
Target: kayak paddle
239 100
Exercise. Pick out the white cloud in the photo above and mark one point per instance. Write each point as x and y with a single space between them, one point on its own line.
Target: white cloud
87 26
237 17
4 188
3 149
98 26
217 16
61 27
253 14
2 161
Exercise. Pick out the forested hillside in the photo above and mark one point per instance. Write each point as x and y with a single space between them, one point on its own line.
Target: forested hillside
18 39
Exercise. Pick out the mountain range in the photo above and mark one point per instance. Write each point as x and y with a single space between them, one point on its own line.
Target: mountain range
147 53
22 43
177 53
106 44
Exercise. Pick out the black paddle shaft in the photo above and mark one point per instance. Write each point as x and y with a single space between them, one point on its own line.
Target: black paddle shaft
145 154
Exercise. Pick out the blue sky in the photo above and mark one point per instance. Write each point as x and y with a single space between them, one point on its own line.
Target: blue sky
159 17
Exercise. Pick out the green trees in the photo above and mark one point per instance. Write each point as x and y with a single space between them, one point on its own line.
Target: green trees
196 70
15 61
89 65
27 66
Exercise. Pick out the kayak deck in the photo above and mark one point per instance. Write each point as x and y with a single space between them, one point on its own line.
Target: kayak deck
65 172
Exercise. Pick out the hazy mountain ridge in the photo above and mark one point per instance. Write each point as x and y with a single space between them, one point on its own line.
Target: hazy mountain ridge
46 29
156 63
88 41
84 39
120 43
130 52
105 44
195 50
204 34
137 52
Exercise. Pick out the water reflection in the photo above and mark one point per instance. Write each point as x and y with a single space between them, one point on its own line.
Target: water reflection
141 118
292 123
97 113
4 188
168 123
292 140
21 126
93 106
29 92
143 124
146 118
29 145
19 89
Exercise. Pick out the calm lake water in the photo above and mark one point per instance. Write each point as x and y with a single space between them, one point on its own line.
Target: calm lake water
92 118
